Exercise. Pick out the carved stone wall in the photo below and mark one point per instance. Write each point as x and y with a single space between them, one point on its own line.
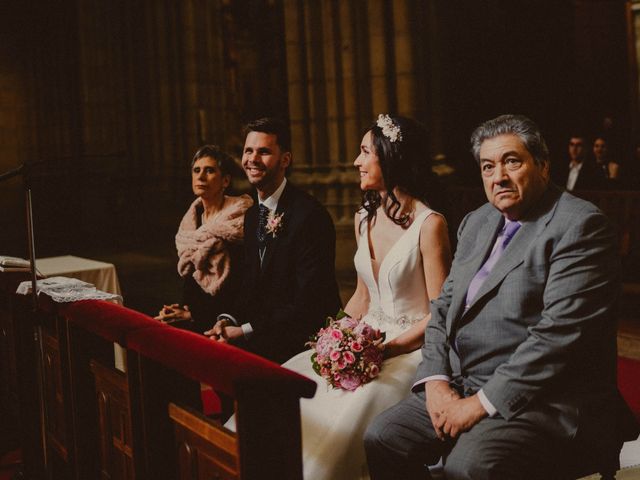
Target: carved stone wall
347 61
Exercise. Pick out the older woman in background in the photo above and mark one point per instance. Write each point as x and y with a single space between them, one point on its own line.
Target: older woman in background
209 243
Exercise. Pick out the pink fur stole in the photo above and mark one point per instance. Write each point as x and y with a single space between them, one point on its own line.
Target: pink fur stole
202 251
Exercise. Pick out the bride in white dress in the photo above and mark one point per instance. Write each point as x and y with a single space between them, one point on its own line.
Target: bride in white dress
402 259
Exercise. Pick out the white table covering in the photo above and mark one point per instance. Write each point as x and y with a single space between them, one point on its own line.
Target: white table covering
100 274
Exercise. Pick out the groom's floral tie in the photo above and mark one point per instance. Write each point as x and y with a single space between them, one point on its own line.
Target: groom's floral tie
263 214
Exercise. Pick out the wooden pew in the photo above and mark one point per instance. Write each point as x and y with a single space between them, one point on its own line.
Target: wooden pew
145 423
19 374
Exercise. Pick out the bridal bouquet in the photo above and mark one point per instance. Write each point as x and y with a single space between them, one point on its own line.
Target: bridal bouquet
346 352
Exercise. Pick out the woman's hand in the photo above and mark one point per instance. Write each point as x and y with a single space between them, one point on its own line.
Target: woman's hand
390 350
174 313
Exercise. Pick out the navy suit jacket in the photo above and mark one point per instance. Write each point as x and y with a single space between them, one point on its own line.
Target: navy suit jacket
288 298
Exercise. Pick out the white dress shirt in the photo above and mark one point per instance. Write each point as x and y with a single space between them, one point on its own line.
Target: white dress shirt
572 178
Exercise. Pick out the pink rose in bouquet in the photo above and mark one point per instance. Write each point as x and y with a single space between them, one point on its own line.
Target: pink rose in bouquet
346 352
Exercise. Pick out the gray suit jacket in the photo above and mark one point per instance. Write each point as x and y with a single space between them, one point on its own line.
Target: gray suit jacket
540 336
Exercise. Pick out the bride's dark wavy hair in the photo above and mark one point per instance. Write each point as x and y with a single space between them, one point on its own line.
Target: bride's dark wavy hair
406 165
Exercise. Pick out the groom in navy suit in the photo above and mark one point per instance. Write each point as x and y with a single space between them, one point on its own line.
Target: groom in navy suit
290 287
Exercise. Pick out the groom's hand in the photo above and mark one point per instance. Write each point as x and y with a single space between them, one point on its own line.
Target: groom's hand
439 394
223 332
232 333
460 415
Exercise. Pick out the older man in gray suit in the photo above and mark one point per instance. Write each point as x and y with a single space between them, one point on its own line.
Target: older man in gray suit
519 361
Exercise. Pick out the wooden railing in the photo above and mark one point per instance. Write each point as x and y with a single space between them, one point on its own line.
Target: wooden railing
146 423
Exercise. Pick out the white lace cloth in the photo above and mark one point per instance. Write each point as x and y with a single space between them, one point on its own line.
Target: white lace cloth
65 290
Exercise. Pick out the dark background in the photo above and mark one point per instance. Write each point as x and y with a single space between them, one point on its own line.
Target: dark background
115 96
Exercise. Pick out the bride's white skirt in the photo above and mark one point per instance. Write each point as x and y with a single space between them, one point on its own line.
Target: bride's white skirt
334 421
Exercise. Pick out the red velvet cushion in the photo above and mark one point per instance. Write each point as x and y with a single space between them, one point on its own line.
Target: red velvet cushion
211 404
224 367
108 320
629 383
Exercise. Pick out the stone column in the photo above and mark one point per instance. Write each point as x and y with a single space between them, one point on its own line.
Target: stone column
347 61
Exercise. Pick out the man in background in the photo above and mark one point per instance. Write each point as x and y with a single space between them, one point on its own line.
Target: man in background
578 173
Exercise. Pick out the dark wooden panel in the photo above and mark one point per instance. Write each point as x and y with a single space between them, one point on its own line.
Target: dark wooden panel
80 348
205 450
115 429
267 445
9 403
153 388
54 396
28 368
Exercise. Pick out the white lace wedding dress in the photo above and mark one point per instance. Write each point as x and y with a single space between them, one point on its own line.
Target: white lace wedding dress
334 421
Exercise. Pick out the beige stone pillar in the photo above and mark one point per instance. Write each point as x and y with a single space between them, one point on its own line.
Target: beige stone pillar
347 61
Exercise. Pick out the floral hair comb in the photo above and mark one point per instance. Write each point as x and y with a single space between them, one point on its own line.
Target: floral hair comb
389 129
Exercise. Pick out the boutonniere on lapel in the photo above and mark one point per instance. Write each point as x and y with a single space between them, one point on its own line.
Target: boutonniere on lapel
274 223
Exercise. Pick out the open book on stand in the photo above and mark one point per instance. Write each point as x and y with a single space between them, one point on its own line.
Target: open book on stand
13 264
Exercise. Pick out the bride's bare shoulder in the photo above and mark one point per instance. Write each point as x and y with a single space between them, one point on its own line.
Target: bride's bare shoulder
434 231
419 207
359 222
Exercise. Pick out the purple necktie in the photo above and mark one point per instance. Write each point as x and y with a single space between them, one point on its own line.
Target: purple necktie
508 231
